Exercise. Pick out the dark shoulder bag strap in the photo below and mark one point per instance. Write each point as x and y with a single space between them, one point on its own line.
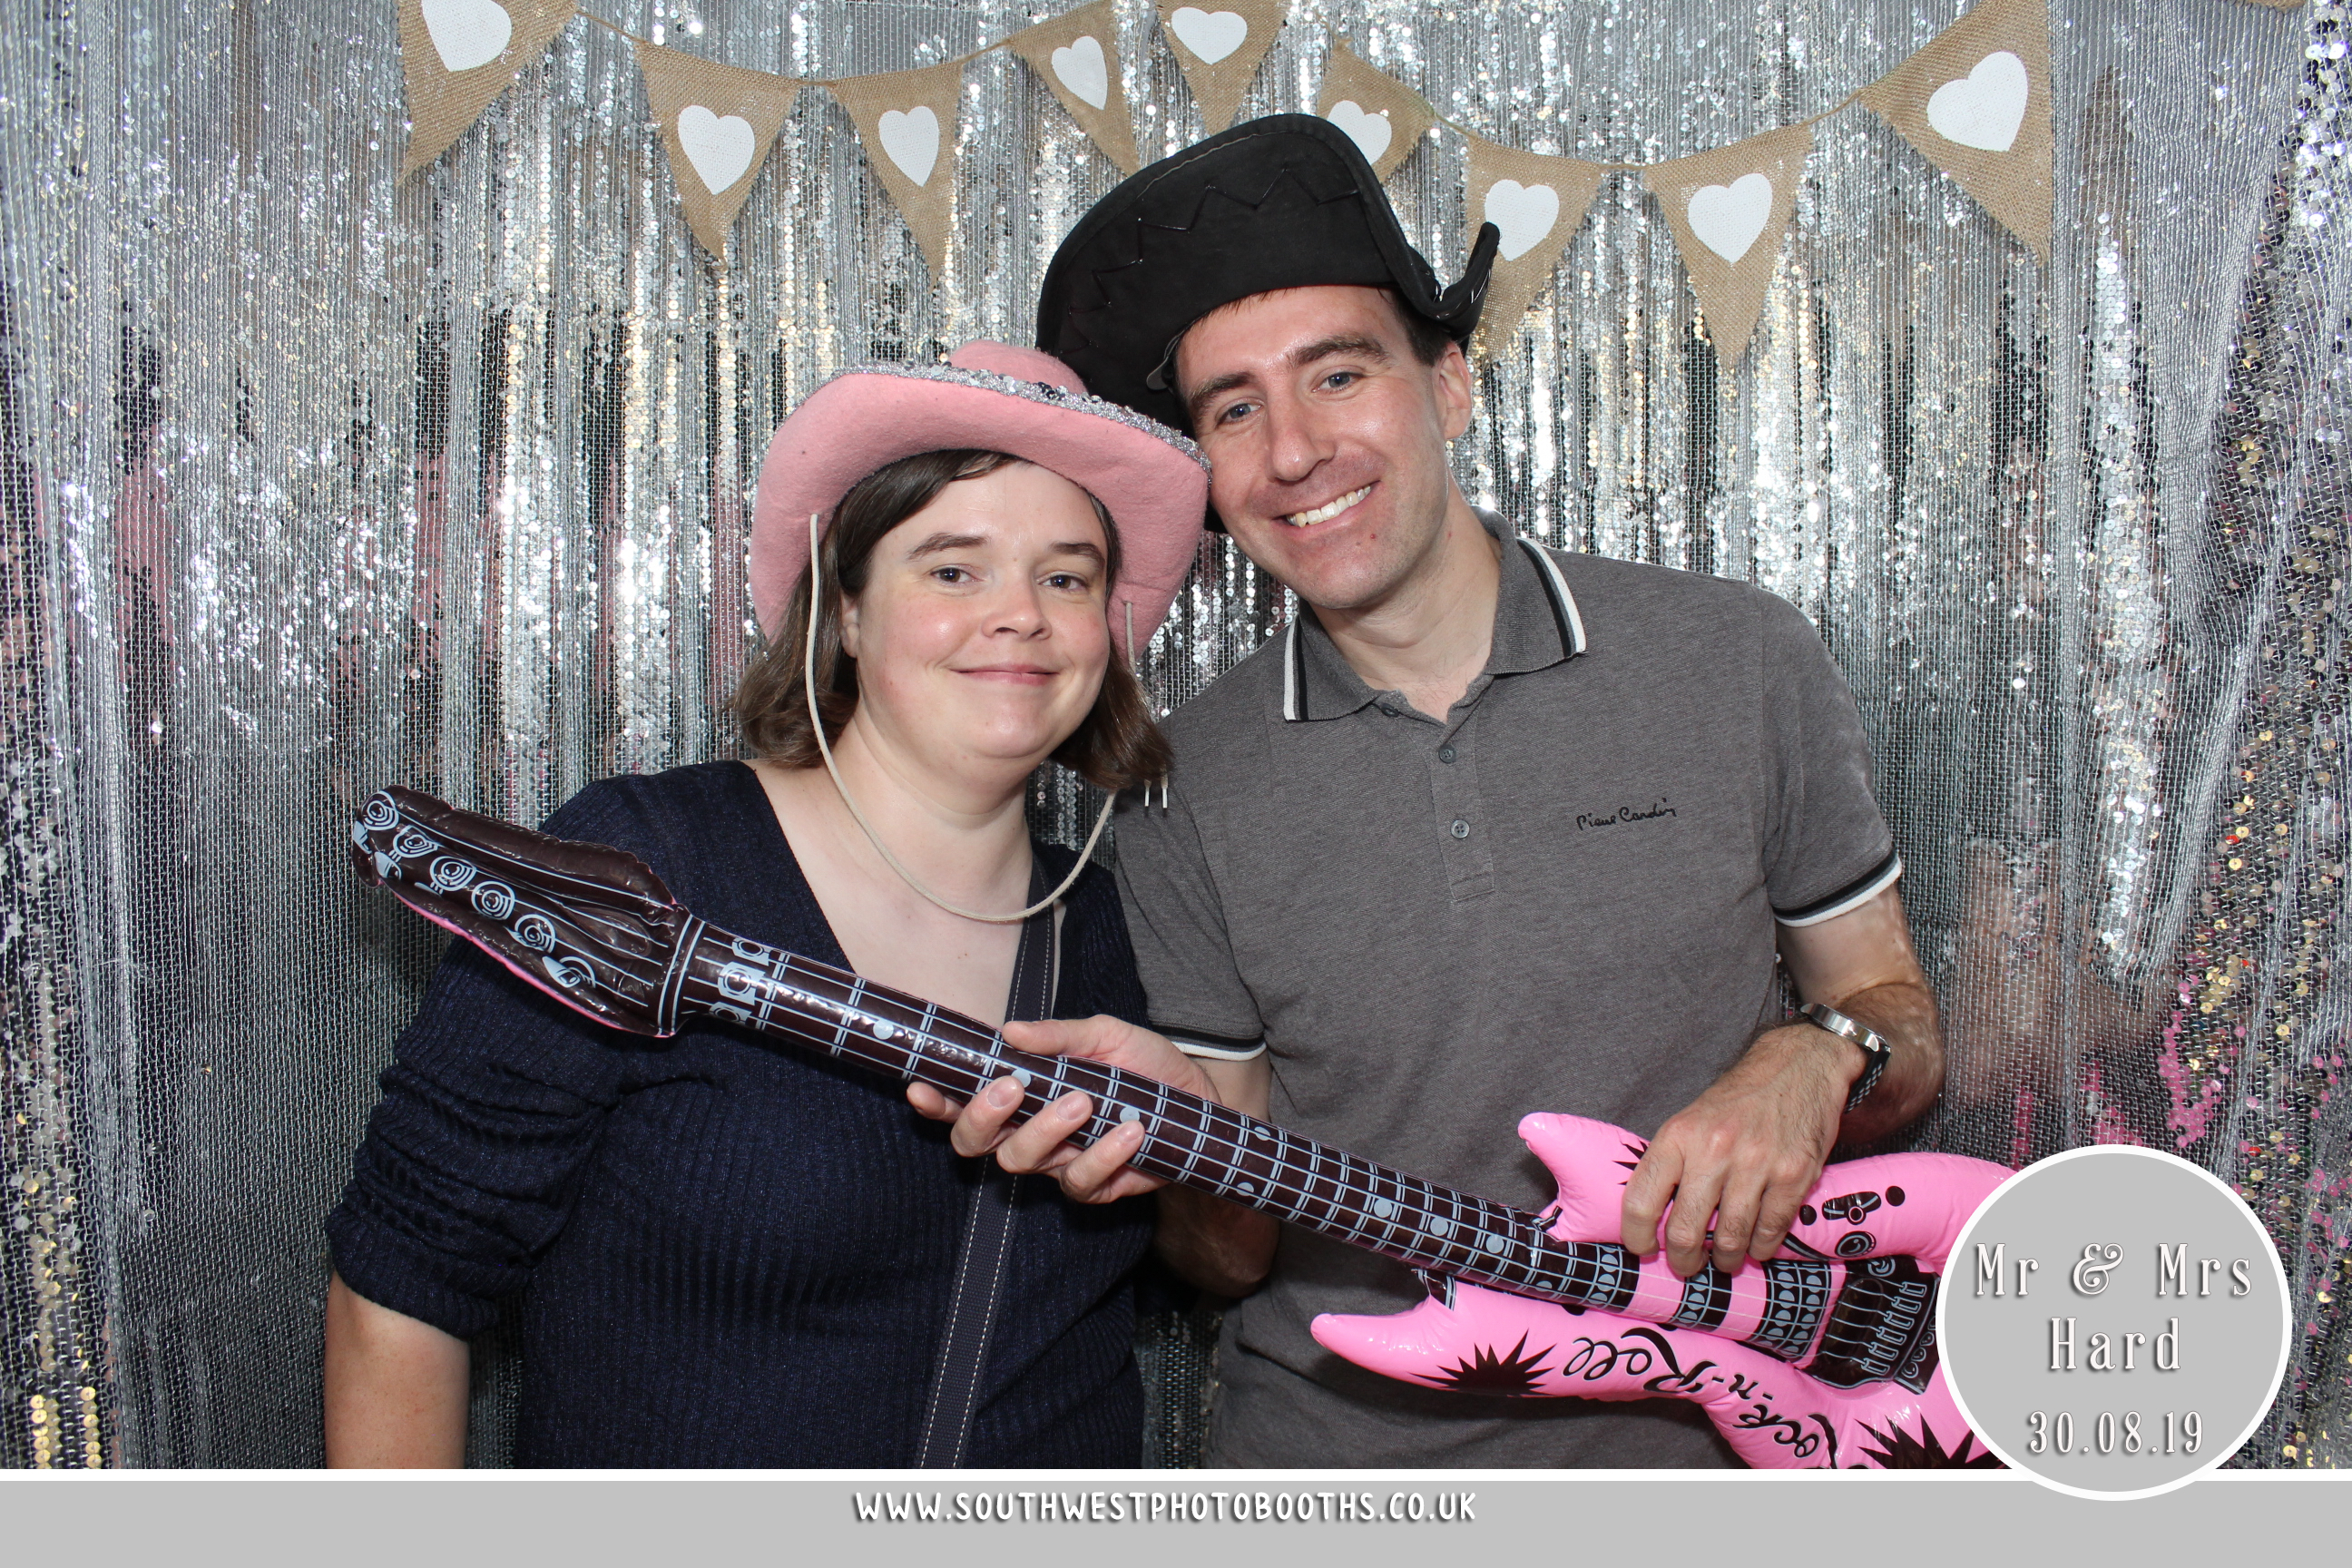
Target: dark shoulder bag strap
987 1229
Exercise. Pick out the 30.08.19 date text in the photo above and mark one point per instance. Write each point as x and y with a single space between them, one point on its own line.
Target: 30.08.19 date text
2109 1434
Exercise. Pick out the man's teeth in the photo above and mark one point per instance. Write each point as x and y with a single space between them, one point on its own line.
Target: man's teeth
1326 513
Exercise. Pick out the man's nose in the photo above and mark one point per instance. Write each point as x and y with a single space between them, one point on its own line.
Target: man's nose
1294 444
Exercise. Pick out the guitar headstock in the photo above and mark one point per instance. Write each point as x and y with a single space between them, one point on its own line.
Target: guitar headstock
591 926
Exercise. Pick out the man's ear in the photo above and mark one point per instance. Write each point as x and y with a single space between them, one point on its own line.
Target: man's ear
1455 398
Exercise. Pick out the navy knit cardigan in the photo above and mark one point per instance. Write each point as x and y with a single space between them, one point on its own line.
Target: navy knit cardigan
728 1252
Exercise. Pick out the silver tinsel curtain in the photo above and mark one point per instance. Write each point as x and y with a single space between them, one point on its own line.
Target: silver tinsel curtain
311 480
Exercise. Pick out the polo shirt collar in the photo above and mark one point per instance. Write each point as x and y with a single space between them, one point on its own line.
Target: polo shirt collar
1536 625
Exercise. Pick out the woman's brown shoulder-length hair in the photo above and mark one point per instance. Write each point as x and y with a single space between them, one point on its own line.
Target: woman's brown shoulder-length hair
1115 747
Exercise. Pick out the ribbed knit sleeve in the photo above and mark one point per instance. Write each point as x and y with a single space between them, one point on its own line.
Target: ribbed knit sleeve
493 1100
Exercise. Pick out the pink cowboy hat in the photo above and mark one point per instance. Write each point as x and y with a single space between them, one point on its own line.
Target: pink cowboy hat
990 397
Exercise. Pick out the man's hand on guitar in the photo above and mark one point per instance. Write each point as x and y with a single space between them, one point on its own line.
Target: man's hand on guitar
1743 1154
1099 1175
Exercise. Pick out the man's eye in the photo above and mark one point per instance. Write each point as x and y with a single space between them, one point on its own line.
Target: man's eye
1341 377
1236 411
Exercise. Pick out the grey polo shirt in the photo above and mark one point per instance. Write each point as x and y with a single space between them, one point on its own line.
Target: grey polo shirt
1560 897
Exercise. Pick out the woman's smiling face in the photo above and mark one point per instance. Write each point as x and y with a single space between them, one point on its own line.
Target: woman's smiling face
981 636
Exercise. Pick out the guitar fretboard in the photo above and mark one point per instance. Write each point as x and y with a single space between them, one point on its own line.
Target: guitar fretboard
1187 1140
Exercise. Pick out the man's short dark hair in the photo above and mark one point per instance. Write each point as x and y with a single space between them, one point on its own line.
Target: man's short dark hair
1426 338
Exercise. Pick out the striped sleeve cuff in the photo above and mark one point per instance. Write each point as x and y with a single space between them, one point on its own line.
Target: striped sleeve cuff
1853 896
1214 1047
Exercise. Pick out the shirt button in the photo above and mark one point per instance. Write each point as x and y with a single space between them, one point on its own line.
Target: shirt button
1389 711
1444 753
1460 829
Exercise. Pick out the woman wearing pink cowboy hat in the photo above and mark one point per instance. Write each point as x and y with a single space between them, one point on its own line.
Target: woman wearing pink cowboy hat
717 1254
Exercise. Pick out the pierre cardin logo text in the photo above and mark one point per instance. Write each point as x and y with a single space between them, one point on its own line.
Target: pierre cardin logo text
1656 809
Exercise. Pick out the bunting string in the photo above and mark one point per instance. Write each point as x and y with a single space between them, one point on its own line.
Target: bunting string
1974 100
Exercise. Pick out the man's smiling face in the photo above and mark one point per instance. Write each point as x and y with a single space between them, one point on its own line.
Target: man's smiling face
1328 437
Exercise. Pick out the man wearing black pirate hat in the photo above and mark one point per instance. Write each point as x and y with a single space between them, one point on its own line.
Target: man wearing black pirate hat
1489 828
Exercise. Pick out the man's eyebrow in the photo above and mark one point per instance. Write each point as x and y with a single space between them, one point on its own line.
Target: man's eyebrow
1297 359
1339 344
1210 389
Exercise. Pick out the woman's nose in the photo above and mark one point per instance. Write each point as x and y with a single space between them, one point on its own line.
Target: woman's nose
1018 609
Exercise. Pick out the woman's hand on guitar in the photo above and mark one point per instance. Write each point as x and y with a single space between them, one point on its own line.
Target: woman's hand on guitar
1098 1173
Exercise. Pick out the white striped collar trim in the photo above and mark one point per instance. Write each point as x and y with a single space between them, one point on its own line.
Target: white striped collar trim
1290 703
1563 602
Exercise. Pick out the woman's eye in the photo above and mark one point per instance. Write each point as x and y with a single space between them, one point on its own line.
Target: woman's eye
1070 582
950 574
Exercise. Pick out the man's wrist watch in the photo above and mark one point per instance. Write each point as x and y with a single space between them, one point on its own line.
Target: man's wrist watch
1876 1048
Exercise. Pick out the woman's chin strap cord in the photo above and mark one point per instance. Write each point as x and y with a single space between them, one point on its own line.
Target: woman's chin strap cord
816 722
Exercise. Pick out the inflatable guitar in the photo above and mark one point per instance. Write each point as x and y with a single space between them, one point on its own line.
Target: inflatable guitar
1823 1357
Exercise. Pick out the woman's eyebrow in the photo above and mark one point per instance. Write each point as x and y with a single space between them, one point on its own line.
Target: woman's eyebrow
939 543
1079 547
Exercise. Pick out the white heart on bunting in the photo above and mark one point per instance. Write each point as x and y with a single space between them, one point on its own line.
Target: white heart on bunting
911 138
1367 128
1210 35
1082 69
1524 213
467 34
1727 218
720 149
1983 109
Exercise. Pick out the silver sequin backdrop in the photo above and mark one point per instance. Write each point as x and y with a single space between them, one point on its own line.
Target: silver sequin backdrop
311 481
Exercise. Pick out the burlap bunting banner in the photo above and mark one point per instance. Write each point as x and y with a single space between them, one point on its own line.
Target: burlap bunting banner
718 122
1538 203
458 54
1728 210
907 121
1076 57
1220 45
1384 116
1976 100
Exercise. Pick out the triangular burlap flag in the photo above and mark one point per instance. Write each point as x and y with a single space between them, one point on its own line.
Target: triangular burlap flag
908 120
458 55
718 122
1386 119
1728 210
1976 100
1220 45
1076 56
1538 203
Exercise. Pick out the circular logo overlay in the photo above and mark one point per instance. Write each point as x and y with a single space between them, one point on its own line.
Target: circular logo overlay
2114 1321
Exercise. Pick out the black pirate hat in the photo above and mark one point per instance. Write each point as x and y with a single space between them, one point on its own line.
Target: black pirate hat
1285 202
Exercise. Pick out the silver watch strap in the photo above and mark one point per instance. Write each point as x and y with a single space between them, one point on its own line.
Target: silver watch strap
1876 1048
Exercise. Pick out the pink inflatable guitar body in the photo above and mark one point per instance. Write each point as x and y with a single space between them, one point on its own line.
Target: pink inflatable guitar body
1823 1356
1788 1384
